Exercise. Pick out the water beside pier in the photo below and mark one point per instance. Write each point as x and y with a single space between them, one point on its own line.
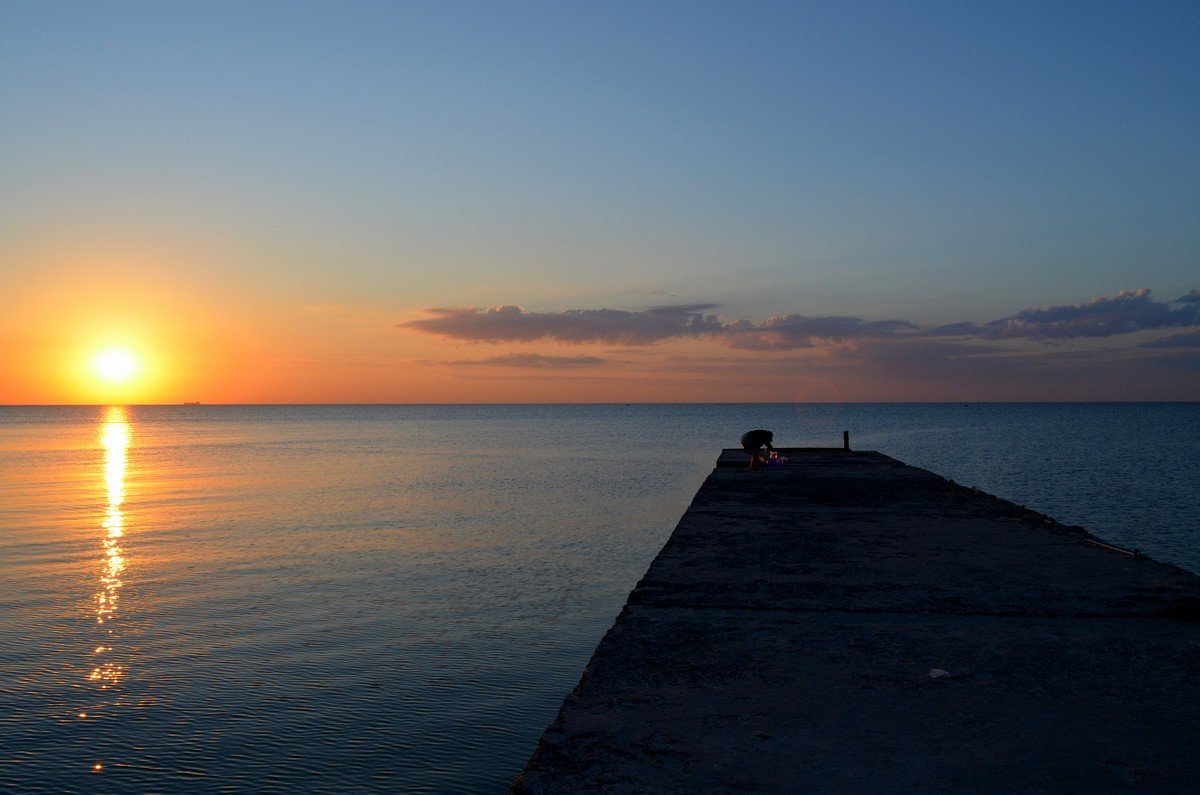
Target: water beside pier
399 597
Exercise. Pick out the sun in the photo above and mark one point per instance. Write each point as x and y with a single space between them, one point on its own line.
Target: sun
116 366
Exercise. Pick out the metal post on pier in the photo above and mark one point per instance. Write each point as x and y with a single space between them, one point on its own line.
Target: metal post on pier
845 440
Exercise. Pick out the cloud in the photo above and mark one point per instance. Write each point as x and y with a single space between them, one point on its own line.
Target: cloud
1190 339
965 329
1101 317
1127 312
904 351
1124 313
788 332
671 309
647 326
613 326
533 360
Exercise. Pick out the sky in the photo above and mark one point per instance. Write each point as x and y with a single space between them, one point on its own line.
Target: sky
599 202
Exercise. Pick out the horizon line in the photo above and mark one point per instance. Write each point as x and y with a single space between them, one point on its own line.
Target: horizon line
609 403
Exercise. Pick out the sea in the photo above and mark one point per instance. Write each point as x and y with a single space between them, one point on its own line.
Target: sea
397 598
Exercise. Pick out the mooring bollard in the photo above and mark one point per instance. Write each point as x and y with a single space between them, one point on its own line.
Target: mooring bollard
845 440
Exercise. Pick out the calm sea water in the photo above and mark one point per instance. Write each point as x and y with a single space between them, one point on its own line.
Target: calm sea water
398 597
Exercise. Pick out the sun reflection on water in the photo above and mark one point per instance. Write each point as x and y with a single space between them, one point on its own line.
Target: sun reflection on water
115 436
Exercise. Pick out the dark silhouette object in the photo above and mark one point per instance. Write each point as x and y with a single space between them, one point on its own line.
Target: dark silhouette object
753 442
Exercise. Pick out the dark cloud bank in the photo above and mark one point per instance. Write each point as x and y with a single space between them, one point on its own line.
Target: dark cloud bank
532 360
1127 312
612 326
1101 317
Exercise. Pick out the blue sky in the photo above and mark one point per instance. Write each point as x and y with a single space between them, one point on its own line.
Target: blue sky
930 162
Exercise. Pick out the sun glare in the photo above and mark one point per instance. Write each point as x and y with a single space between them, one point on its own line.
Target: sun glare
116 366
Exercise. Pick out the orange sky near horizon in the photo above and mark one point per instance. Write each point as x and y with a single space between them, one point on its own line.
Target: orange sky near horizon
201 351
203 331
222 341
232 340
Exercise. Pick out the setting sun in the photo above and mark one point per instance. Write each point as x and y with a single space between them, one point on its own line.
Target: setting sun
116 366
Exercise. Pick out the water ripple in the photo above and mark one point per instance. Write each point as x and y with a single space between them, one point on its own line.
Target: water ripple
397 598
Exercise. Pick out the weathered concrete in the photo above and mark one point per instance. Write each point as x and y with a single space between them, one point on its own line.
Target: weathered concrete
784 637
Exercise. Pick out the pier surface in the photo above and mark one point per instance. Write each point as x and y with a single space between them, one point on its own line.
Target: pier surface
792 636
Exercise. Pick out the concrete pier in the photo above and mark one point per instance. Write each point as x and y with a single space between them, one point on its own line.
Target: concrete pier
847 623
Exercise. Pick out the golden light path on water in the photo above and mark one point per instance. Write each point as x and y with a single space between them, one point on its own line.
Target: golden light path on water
115 436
